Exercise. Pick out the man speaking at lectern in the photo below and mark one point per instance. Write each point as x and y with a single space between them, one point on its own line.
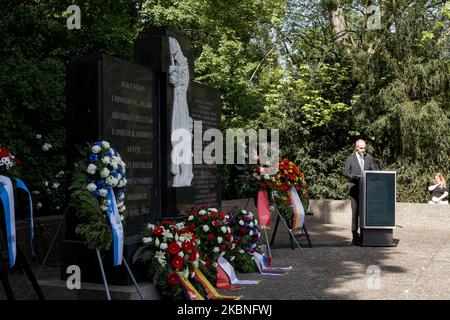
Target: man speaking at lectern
354 166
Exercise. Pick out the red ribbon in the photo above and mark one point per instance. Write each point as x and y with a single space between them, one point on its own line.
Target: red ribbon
223 282
263 207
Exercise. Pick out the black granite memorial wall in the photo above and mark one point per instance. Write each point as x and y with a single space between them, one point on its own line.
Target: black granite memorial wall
114 100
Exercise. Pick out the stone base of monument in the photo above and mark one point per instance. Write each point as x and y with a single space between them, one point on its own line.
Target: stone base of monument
56 289
377 238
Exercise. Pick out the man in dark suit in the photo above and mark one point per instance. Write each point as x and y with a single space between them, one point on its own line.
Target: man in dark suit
354 166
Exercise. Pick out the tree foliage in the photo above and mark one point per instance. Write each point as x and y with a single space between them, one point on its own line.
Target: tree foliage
310 68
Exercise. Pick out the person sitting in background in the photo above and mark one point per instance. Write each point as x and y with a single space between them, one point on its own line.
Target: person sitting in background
439 190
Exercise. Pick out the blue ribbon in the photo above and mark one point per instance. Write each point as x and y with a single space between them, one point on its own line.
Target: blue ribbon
10 230
116 225
21 185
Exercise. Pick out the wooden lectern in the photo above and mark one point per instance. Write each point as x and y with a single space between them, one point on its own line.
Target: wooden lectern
377 204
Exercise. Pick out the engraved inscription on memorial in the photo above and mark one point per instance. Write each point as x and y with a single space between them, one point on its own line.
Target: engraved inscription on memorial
128 122
206 180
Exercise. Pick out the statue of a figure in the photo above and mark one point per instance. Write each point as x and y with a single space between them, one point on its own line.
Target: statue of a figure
182 123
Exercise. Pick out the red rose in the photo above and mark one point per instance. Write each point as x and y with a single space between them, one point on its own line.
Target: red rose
186 246
173 248
221 214
257 169
223 247
4 152
158 231
193 256
215 223
243 230
172 279
192 227
177 262
204 217
262 185
211 236
212 214
228 236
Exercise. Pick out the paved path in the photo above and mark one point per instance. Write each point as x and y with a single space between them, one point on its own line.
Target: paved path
418 268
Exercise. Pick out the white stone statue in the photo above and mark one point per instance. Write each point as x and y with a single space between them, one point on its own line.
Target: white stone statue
182 123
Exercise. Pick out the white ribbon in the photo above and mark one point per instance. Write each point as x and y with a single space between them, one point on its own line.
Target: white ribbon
264 270
229 270
117 228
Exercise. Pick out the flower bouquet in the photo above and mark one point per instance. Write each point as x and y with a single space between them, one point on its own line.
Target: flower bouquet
287 176
214 237
170 252
8 162
98 185
246 235
256 177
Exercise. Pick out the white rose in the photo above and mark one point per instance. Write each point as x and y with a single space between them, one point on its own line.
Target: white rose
229 229
163 246
202 212
241 222
104 173
212 209
219 240
103 192
96 149
91 168
105 144
191 217
91 187
232 258
241 251
110 181
266 176
56 185
205 228
251 224
216 249
106 160
38 136
181 254
224 229
250 233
